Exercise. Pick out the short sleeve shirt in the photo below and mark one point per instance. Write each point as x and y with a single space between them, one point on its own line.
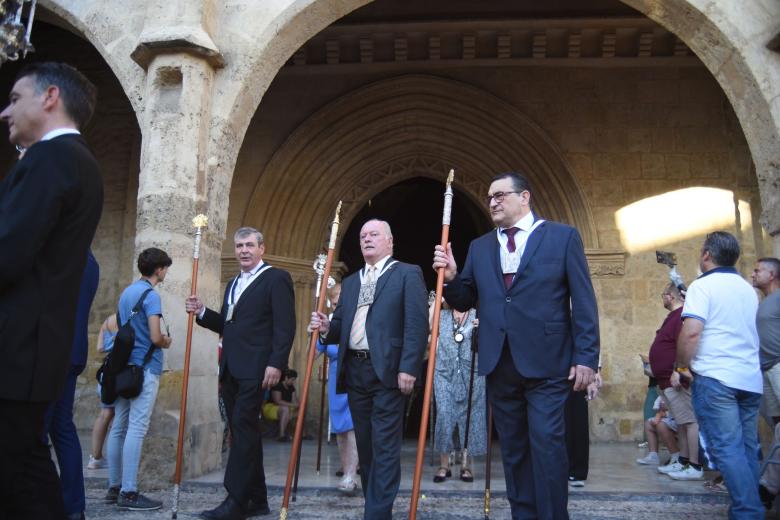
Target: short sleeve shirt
768 324
152 306
728 345
287 392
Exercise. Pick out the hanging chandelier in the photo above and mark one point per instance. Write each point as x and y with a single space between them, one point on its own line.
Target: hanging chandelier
14 35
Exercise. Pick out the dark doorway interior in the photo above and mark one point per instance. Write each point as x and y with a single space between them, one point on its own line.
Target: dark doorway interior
414 210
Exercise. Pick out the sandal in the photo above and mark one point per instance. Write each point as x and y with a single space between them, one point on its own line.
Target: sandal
442 474
466 475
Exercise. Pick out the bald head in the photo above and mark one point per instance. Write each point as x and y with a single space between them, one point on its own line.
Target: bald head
376 241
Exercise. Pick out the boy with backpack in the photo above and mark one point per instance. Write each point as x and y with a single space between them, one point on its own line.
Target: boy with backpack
139 305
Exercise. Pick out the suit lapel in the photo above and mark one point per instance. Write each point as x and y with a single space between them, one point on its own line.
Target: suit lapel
530 249
350 298
251 287
495 258
382 281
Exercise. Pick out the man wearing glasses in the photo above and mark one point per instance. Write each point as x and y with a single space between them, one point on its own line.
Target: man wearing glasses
538 337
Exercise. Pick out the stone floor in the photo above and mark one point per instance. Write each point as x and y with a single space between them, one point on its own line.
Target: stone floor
616 488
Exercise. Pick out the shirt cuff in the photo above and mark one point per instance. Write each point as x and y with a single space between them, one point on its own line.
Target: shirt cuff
202 312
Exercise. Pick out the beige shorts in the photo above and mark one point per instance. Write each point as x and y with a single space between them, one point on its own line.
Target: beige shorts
679 403
770 404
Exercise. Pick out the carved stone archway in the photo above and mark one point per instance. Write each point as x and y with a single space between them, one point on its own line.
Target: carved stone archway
394 129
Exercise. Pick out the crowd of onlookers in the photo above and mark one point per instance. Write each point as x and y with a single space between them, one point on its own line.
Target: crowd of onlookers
715 354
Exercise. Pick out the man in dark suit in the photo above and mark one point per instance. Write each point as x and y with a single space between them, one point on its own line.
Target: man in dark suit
381 326
50 204
257 325
538 336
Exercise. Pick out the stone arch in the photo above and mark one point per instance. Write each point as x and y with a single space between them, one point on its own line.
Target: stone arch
395 129
735 54
81 21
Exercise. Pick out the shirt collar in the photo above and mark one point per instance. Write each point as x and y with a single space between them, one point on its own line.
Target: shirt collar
729 270
524 223
379 265
58 132
253 271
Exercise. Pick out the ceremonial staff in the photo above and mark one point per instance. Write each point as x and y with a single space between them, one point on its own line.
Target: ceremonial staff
487 460
319 266
296 444
465 454
323 389
199 222
445 234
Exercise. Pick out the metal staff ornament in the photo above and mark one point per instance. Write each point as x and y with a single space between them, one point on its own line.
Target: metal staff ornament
296 444
199 222
319 268
445 234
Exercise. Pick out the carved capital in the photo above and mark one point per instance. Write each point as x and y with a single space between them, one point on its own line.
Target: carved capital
606 263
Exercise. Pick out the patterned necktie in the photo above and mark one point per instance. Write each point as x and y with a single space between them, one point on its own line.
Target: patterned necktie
358 333
510 246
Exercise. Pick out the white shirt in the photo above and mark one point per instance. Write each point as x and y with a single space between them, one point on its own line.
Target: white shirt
58 132
728 345
521 237
243 281
380 265
238 285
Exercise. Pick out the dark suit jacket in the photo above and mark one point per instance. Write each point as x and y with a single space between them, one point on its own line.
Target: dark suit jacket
549 312
50 204
262 329
396 325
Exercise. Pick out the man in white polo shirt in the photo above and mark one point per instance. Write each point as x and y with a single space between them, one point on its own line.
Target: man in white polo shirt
719 343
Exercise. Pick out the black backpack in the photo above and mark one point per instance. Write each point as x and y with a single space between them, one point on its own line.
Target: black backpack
116 360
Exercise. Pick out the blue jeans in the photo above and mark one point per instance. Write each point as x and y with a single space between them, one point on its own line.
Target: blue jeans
131 422
728 418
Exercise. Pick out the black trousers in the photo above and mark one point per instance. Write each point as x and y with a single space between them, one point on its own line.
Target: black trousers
244 475
577 434
529 418
29 485
377 414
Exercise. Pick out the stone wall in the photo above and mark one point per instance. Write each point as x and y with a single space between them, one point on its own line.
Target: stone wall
627 134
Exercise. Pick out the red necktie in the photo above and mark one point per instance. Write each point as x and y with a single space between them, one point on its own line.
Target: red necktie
510 245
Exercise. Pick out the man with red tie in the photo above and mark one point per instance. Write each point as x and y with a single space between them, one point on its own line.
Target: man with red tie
538 338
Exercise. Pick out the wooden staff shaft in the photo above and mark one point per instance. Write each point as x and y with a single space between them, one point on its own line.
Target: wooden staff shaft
487 460
186 376
296 444
471 394
186 379
323 394
445 234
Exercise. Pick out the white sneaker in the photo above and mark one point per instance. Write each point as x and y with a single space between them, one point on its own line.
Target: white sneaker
670 468
687 473
573 482
96 463
649 459
347 486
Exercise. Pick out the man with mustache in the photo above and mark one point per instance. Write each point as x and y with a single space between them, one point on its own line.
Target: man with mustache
538 338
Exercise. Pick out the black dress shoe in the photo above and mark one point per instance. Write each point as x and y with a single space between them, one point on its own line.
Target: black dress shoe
227 510
259 508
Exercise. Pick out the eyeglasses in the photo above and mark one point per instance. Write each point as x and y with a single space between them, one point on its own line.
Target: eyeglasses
498 196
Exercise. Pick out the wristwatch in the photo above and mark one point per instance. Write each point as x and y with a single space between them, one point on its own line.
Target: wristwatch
681 369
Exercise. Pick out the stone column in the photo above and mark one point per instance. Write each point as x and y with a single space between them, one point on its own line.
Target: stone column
181 61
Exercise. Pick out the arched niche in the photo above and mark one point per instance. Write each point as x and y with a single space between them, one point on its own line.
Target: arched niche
725 37
396 129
